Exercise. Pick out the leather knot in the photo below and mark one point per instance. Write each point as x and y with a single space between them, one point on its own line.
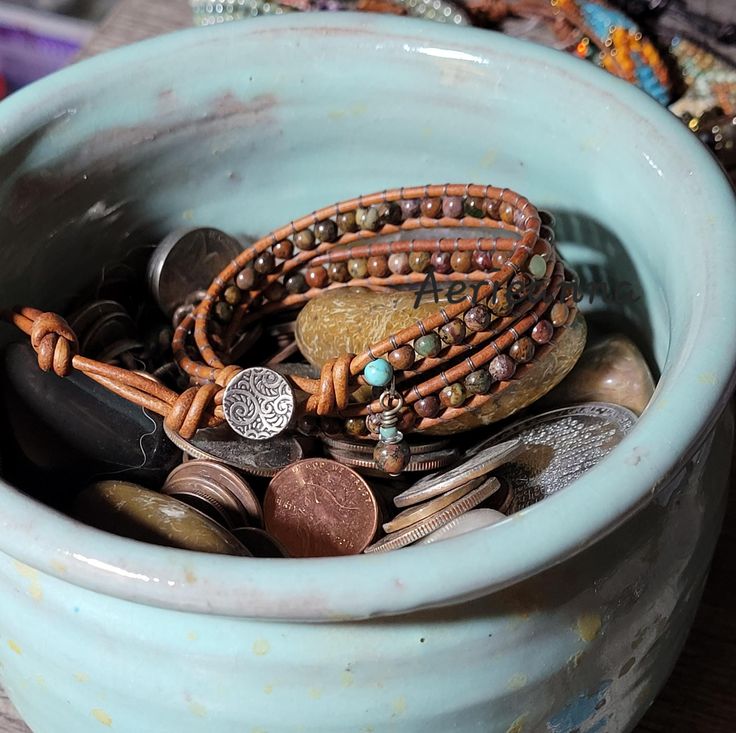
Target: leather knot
188 413
54 342
334 386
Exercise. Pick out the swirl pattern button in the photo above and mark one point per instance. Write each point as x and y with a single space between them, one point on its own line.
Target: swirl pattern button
258 403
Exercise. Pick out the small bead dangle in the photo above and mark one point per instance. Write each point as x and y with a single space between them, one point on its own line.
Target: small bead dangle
391 453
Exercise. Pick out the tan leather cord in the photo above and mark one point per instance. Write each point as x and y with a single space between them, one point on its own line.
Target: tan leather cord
56 344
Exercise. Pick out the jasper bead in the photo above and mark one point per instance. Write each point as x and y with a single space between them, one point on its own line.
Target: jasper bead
483 259
264 263
377 266
473 206
498 259
558 314
453 332
419 261
547 233
356 426
502 368
491 207
316 277
506 212
429 345
378 373
325 231
346 222
331 426
537 266
478 318
305 240
367 218
398 263
233 295
274 292
402 358
521 286
223 312
296 283
283 249
410 209
246 278
522 350
453 395
542 248
542 333
461 261
478 382
407 421
392 458
338 272
358 268
427 406
389 213
373 423
431 208
441 261
452 207
499 303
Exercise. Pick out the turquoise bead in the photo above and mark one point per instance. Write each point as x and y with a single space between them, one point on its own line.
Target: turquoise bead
388 433
378 373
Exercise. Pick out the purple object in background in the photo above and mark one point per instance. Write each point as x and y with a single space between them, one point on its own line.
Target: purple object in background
33 44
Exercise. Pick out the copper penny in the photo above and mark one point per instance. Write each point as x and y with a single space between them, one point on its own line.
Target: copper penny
320 508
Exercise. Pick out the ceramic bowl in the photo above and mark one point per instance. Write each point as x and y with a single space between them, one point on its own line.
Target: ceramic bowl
569 616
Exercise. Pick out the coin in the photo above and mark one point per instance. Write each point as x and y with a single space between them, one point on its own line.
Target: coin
320 508
260 543
468 522
218 485
417 463
258 403
414 514
560 446
367 446
405 537
479 464
186 261
129 510
256 457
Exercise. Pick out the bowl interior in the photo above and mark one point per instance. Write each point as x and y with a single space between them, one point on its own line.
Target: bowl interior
249 126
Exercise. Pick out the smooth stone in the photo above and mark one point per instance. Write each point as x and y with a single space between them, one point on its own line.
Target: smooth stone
610 370
73 430
539 377
351 319
129 510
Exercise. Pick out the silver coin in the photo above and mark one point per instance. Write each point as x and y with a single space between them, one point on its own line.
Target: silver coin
84 318
255 457
561 445
468 522
415 532
258 403
479 464
187 261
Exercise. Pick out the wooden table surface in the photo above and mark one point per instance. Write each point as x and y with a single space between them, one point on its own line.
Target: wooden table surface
699 697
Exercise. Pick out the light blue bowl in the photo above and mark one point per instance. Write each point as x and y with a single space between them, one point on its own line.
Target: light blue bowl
566 618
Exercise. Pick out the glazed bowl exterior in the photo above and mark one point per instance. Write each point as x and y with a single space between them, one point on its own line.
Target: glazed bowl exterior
567 617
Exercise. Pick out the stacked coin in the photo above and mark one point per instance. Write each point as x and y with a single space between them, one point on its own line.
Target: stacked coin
440 498
424 456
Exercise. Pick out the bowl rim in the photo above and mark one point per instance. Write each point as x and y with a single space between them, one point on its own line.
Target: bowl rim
335 589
